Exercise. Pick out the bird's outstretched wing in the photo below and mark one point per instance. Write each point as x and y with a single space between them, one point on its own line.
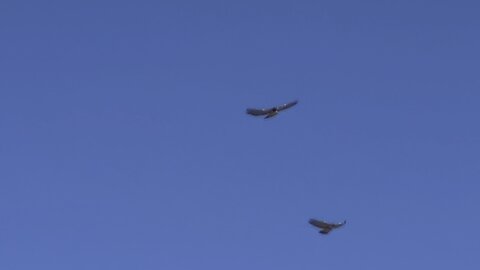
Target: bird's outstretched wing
319 224
287 105
338 225
257 112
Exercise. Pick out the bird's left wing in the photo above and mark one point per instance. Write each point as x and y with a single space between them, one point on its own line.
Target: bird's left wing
338 225
287 105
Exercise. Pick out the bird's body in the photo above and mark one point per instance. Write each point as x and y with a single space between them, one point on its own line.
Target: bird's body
325 227
271 112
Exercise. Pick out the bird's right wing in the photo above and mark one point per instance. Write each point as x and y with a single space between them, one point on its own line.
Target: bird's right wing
318 223
257 112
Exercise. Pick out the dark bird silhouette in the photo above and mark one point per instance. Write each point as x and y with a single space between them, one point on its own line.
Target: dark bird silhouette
325 227
271 112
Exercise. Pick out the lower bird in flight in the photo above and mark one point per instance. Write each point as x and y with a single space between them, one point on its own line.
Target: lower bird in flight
325 227
271 112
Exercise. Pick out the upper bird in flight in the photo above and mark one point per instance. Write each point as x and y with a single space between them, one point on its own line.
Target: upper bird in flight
325 227
271 112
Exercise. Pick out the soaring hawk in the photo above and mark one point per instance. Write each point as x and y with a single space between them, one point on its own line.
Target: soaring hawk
271 112
325 227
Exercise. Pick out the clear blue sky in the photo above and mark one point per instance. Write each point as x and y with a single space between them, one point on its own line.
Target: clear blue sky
124 142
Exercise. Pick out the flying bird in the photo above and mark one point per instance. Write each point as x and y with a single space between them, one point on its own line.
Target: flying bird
271 112
325 227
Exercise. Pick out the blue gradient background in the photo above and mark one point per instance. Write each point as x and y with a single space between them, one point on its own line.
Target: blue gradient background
124 143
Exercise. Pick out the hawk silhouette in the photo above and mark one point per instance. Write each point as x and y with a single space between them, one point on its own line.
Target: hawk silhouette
325 227
271 112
